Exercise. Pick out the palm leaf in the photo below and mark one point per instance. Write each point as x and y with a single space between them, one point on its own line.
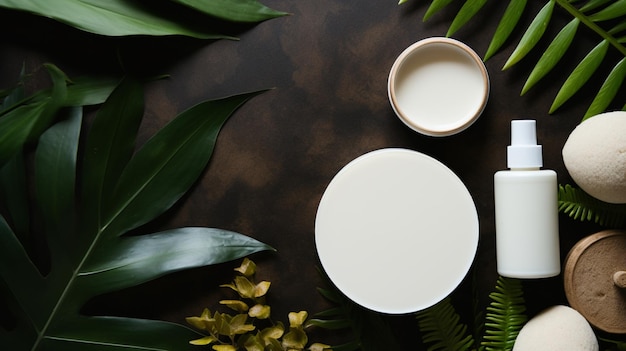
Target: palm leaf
581 74
553 54
608 90
593 14
531 37
467 11
581 206
509 21
441 328
46 309
505 315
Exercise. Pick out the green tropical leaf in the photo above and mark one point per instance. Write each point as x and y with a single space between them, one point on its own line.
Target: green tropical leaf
608 90
435 7
442 329
581 206
46 309
506 315
533 34
25 123
509 21
581 74
552 55
467 11
592 5
108 17
180 151
234 10
55 176
108 148
614 10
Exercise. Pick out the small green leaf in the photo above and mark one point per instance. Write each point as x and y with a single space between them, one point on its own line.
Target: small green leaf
553 54
608 90
532 35
581 74
592 5
236 11
467 12
509 20
435 7
614 10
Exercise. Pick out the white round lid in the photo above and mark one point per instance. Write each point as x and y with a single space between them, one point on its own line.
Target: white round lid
396 231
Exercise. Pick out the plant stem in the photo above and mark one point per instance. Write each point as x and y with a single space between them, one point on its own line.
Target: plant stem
567 6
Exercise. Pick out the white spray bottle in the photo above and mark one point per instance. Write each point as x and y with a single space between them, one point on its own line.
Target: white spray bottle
526 209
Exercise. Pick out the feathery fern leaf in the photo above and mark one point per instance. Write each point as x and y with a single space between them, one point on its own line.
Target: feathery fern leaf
505 315
441 328
597 15
581 206
369 330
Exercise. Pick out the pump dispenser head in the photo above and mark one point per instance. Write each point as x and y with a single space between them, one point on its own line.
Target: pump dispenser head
524 151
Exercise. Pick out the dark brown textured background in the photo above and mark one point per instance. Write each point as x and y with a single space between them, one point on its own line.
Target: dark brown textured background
327 64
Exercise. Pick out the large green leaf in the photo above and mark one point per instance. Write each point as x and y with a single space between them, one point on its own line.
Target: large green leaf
107 17
167 165
46 308
125 18
234 10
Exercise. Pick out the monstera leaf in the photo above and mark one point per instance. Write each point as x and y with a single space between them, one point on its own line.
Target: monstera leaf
128 17
86 197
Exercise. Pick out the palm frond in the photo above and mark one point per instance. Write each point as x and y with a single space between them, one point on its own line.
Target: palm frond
579 205
505 315
442 329
605 18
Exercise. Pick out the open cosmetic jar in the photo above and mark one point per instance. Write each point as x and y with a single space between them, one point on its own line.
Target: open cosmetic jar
438 86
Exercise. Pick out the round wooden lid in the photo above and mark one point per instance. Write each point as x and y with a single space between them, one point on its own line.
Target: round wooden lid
595 279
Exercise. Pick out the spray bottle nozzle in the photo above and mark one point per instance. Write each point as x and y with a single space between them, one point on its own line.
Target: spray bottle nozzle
524 151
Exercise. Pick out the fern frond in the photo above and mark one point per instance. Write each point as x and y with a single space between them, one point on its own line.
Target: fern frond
579 205
442 329
505 315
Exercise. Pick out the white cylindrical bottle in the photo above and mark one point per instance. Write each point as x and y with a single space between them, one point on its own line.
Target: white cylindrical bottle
526 209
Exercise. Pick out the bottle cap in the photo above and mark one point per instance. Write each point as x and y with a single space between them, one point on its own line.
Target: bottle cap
524 151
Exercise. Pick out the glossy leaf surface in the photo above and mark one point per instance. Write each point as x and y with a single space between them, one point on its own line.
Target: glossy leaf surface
234 10
109 17
46 308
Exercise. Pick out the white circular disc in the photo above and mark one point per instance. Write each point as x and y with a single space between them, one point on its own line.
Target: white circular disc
396 231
